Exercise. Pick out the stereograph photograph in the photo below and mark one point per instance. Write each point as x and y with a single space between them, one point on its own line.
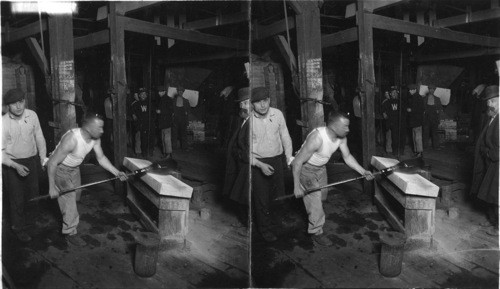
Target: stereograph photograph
250 144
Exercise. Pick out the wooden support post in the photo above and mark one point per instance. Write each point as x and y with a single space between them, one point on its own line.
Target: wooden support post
310 65
170 23
406 17
420 20
119 83
367 85
63 72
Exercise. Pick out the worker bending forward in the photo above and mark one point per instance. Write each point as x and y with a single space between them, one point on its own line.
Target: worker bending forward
63 169
309 170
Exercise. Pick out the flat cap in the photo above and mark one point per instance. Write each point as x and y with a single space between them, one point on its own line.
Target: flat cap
259 93
160 88
490 92
13 95
243 94
412 86
393 88
142 89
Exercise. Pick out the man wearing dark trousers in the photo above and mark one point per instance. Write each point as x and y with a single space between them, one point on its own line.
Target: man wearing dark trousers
164 112
143 116
271 143
393 112
415 111
485 174
432 112
23 151
180 123
236 181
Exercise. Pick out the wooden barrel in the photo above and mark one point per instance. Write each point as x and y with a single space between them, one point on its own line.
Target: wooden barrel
146 254
391 257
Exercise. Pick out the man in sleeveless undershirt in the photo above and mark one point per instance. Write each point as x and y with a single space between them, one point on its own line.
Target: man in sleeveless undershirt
309 169
63 169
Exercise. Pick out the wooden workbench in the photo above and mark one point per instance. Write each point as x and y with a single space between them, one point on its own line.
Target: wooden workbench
160 201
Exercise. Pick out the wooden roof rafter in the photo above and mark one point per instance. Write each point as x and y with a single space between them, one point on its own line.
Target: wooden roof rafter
218 21
14 34
149 28
396 25
478 16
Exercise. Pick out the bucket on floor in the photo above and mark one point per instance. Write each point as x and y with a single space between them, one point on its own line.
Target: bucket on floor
146 253
391 257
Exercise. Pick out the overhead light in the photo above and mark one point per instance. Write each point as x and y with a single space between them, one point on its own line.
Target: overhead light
50 7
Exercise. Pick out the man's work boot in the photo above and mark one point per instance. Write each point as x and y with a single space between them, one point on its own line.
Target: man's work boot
322 240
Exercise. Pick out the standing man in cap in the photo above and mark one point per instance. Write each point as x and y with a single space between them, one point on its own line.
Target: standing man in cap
180 119
236 181
23 152
144 124
309 170
416 118
432 112
270 139
63 169
485 174
392 112
164 111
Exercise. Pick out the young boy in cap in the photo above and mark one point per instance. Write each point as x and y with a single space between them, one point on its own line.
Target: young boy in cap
23 151
270 139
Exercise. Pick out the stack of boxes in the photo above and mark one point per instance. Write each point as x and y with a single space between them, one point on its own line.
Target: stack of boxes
198 131
449 127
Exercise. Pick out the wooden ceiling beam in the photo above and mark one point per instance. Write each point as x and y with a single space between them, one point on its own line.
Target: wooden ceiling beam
218 21
14 34
457 55
396 25
130 6
90 40
338 38
275 28
478 16
144 27
201 58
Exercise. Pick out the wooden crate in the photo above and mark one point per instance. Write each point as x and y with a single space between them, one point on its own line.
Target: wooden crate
160 201
408 201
